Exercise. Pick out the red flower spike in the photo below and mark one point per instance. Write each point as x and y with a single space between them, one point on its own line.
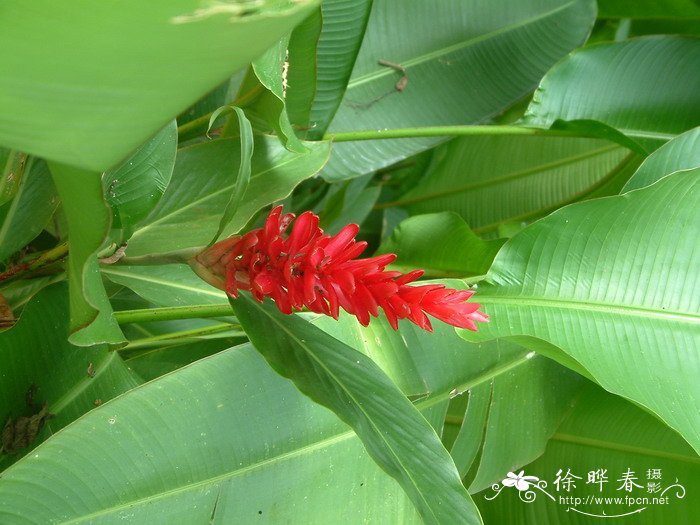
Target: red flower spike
308 268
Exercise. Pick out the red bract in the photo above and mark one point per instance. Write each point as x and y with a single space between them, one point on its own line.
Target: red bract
321 272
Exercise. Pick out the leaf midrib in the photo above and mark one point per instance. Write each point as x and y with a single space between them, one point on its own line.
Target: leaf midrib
423 404
84 383
359 405
216 479
433 272
620 447
209 196
575 197
438 53
594 306
508 177
169 284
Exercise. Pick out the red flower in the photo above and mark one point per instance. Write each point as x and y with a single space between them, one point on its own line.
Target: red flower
308 268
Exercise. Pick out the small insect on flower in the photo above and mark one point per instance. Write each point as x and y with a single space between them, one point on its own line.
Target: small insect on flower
308 268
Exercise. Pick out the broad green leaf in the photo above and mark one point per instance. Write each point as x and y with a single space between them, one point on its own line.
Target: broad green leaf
650 103
134 188
222 95
648 9
225 440
665 26
165 285
189 213
612 283
356 389
465 425
156 361
511 419
402 177
32 206
158 347
300 79
35 355
271 106
347 202
18 293
357 209
484 58
681 153
441 244
518 388
13 166
88 219
243 177
123 69
344 23
493 180
605 432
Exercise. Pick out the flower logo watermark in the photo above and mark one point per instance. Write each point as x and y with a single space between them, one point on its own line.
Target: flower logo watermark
633 493
524 484
519 481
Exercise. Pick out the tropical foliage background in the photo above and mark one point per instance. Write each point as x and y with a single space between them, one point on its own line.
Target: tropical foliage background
545 152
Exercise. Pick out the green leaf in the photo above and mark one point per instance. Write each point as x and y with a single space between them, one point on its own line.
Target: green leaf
681 153
441 244
301 72
189 213
494 180
165 285
344 23
207 440
605 432
60 106
158 347
223 94
651 102
665 26
32 206
88 219
153 431
516 389
484 58
270 70
160 360
349 202
35 356
18 293
244 169
648 9
134 188
510 419
356 389
13 163
615 274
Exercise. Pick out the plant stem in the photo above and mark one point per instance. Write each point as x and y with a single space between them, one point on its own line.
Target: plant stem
175 257
178 338
49 256
446 131
173 313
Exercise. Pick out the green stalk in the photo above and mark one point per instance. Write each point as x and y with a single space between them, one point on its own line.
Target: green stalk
178 338
447 131
172 313
48 257
174 257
